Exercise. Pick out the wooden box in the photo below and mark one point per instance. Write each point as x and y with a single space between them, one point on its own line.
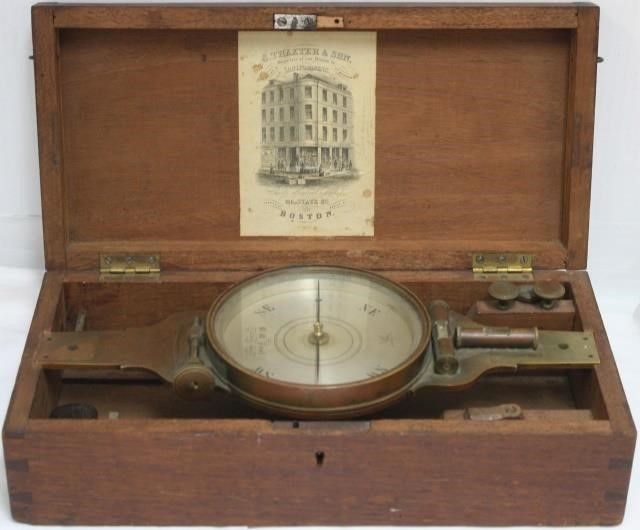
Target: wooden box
483 144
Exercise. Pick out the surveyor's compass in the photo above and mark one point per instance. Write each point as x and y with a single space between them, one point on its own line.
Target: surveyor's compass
317 342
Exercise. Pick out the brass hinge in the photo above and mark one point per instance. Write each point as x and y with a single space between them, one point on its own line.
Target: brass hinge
123 267
505 266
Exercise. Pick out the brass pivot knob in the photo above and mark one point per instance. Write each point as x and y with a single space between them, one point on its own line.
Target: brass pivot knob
444 350
548 293
318 335
194 383
504 293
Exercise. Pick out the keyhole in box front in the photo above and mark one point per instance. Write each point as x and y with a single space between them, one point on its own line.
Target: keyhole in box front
319 458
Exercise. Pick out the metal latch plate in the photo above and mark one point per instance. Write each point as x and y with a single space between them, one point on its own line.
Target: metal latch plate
299 22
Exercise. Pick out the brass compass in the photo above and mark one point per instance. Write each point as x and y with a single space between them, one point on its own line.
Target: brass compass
314 342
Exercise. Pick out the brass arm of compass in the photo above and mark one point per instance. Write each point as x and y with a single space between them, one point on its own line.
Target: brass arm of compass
476 350
172 349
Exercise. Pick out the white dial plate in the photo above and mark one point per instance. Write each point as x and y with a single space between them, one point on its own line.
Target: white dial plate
366 327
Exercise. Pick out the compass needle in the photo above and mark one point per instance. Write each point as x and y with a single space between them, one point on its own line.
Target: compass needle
318 332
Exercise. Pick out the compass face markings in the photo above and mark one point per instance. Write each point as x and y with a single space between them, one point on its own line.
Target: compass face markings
366 329
264 309
378 370
370 310
261 371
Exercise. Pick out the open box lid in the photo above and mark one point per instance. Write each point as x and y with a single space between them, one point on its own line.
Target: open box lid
483 135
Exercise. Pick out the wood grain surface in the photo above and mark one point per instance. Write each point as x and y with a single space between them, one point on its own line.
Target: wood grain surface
482 139
49 116
363 17
456 153
192 472
579 137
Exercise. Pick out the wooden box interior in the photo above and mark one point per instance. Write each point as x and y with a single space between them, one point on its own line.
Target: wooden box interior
552 396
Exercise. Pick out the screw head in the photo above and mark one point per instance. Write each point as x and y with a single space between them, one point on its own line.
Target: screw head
194 382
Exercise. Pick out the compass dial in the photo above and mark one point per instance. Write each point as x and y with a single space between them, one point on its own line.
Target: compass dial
318 328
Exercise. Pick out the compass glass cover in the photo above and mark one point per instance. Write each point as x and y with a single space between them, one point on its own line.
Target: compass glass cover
318 326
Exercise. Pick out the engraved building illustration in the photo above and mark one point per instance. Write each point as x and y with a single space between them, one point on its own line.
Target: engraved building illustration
307 127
